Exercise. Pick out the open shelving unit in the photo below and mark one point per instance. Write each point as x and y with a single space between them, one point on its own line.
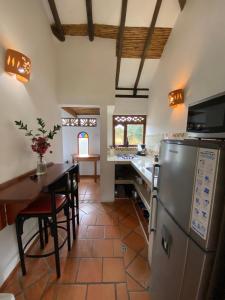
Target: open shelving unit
144 195
126 175
143 222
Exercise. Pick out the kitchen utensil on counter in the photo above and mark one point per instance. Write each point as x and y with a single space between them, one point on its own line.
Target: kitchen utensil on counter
141 149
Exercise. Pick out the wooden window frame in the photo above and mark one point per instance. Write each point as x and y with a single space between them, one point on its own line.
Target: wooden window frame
125 123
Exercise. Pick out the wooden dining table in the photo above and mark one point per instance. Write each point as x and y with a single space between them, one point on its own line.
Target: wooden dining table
18 193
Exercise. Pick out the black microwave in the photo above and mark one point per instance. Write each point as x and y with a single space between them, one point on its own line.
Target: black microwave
206 119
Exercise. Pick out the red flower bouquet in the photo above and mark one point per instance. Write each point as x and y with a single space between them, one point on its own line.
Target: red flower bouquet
40 140
40 145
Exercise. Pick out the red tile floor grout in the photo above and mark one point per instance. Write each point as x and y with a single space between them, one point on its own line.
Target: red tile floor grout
96 268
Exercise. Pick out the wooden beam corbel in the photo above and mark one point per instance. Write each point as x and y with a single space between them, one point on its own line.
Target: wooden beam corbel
57 28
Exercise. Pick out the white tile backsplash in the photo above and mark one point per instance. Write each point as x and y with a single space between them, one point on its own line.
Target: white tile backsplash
153 140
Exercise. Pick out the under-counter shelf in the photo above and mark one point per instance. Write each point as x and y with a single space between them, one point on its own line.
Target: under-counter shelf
124 172
142 192
143 222
124 181
127 176
144 195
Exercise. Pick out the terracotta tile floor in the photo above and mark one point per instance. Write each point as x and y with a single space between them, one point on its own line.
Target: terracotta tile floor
108 261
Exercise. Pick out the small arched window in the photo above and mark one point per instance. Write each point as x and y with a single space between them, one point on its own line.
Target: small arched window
83 143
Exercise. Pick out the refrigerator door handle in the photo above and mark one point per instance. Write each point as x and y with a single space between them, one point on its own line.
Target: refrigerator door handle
153 215
155 166
166 240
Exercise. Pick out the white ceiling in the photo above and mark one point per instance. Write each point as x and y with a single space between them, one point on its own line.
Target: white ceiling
139 13
129 68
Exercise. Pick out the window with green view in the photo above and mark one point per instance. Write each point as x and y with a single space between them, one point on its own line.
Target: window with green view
129 129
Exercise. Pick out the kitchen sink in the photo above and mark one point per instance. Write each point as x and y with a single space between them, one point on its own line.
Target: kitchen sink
150 169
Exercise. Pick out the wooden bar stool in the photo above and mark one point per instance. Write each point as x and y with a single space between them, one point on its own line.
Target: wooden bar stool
74 197
46 208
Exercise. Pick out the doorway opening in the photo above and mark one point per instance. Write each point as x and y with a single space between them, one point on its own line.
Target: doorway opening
81 139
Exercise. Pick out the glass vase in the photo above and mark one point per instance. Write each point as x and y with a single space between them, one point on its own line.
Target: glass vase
41 166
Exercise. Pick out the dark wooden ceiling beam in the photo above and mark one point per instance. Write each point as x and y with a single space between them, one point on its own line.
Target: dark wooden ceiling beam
147 43
119 44
57 28
182 4
132 96
90 20
131 89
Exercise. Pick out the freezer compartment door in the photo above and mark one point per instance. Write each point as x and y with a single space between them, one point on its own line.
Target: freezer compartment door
168 260
176 179
197 273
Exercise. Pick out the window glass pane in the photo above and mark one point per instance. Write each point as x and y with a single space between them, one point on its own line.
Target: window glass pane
119 134
83 135
135 133
83 146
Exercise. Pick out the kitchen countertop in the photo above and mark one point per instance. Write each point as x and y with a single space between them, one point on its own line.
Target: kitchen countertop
140 163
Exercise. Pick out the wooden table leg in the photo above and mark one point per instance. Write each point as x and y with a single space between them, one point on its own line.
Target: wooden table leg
78 175
95 163
2 217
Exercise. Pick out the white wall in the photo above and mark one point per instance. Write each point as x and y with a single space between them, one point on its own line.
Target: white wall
70 143
86 76
26 29
193 59
86 71
108 12
128 106
129 70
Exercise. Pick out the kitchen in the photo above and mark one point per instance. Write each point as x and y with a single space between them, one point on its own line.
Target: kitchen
178 196
79 72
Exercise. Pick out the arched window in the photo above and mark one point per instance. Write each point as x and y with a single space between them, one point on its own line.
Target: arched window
83 143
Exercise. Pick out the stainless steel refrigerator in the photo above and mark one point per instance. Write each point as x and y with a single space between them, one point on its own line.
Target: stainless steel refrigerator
189 249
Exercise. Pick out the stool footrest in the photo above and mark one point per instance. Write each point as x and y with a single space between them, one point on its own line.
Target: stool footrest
47 254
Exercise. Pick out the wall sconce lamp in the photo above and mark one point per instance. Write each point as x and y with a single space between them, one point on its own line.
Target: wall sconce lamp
176 97
18 64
